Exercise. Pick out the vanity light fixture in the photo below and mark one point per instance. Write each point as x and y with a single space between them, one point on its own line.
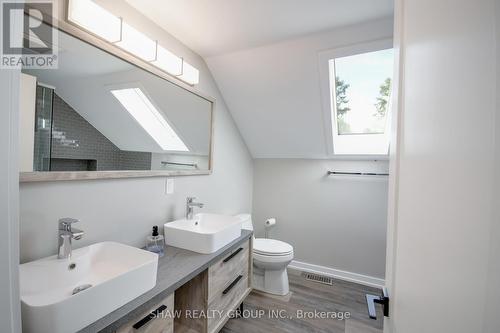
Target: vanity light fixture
95 19
147 115
137 43
189 74
92 17
168 61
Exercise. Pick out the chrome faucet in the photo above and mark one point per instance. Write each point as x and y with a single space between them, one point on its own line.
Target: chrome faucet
189 207
66 234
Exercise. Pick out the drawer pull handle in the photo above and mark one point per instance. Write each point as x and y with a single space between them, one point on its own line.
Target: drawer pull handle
150 316
228 289
233 255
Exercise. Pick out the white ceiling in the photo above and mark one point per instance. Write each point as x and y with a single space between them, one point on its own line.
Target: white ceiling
214 27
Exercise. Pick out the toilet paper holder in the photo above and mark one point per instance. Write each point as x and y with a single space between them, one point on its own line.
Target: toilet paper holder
270 222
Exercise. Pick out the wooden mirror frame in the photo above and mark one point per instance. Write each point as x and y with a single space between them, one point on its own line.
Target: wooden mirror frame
67 27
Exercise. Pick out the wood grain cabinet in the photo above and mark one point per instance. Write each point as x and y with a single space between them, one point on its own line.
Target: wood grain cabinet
228 283
218 291
157 319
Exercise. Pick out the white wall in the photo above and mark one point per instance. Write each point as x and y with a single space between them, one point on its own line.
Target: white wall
9 191
125 210
333 221
446 168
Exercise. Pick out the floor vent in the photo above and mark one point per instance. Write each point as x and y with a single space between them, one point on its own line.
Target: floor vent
319 278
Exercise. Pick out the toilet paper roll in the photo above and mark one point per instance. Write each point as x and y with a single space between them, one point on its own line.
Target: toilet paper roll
270 222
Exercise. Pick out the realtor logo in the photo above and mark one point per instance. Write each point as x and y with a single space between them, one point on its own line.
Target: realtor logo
27 37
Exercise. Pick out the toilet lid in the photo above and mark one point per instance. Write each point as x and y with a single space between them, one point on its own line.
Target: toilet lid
271 247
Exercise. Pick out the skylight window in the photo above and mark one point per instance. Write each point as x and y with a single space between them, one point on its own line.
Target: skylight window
146 114
361 87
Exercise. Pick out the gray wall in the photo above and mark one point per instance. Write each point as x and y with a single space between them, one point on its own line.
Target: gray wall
92 144
336 221
125 210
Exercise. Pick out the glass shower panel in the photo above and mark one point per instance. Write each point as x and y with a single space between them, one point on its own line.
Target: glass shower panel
43 128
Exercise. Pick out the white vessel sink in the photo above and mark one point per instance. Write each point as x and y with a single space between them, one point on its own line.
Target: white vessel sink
113 273
205 233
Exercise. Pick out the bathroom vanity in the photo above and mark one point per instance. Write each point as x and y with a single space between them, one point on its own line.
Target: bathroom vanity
190 292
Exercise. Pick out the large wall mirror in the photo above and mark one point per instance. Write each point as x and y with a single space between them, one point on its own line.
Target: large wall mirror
102 116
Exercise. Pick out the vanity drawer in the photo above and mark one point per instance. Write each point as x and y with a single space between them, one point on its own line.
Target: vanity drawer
224 271
227 300
147 323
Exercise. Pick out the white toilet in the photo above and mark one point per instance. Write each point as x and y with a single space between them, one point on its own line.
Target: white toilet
270 260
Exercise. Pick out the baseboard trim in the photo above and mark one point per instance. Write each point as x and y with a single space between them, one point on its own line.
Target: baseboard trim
338 274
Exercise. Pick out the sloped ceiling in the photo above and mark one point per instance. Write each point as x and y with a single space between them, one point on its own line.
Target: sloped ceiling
263 55
274 92
214 27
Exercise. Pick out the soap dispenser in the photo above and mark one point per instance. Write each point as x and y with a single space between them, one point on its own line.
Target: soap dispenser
155 242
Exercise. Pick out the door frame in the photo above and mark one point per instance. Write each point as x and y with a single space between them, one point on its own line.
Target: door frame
10 316
394 159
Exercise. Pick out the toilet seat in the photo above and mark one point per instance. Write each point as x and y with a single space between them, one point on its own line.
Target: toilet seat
280 260
271 247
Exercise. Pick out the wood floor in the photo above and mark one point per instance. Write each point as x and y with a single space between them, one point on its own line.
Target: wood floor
308 296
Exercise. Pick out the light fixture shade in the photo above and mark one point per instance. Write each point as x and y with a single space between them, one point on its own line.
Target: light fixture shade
168 61
95 19
189 74
151 120
137 43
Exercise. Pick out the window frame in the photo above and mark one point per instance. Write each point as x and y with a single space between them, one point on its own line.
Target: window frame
328 97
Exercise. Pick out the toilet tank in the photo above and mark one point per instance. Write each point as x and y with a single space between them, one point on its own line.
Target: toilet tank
246 221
